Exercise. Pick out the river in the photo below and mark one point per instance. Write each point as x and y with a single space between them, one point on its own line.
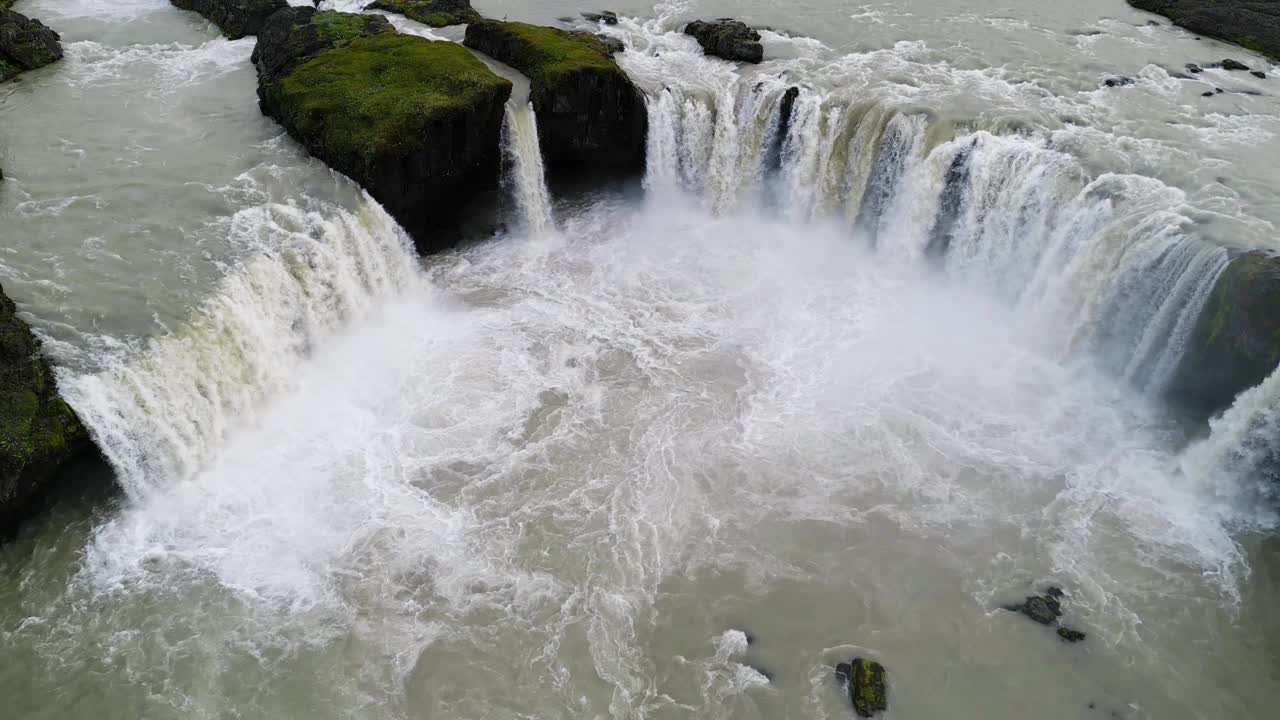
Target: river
669 449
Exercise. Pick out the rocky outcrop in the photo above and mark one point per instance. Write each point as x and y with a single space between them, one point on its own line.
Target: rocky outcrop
436 13
1046 609
39 433
591 118
417 123
25 44
1235 343
235 18
732 40
1254 24
867 686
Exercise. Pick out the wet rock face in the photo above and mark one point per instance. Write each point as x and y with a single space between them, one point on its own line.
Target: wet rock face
235 18
417 123
436 13
39 433
868 688
1254 24
25 44
1235 343
731 40
592 120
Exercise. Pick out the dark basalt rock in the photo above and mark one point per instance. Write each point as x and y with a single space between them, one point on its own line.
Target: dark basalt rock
607 17
1230 64
39 433
1258 74
235 18
731 40
25 44
1118 81
1208 93
592 120
867 685
612 44
1194 69
1069 635
436 13
1235 343
1254 24
416 123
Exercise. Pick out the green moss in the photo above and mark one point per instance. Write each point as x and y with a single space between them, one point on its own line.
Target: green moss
545 54
867 687
338 29
4 4
380 94
436 13
8 70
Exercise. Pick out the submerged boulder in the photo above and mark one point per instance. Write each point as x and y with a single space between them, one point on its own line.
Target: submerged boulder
731 40
868 688
591 119
1235 343
39 433
436 13
1254 24
25 44
235 18
417 123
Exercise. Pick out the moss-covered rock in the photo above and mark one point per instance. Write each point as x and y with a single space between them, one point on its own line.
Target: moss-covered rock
1236 340
1254 24
731 40
867 686
25 44
38 431
417 123
235 18
436 13
591 118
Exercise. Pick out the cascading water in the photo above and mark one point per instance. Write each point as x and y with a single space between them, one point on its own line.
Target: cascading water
526 176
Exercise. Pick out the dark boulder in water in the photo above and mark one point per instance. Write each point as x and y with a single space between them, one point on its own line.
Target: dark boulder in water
612 44
25 44
605 17
1118 81
39 433
1230 64
1069 635
1254 24
1194 69
1208 93
1235 343
436 13
732 40
867 685
235 18
1258 74
592 120
417 123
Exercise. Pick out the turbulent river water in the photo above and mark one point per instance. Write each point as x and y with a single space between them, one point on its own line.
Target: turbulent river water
663 450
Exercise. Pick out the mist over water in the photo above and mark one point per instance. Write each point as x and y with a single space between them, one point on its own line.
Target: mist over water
844 386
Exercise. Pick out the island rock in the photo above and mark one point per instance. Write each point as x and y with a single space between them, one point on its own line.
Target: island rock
731 40
591 119
235 18
417 123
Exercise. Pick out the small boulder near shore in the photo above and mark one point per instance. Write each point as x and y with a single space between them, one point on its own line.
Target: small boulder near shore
25 44
436 13
867 684
732 40
39 433
417 123
592 120
235 18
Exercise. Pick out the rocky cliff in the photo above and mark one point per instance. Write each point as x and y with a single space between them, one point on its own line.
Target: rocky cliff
1254 24
591 119
25 44
417 123
38 431
1236 341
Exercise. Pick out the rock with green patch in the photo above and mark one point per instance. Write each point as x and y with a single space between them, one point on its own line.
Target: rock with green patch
591 119
25 44
436 13
235 18
867 685
417 123
1235 343
39 433
1254 24
731 40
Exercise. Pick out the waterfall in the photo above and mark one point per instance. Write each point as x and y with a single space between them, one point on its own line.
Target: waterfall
526 176
1240 459
162 413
